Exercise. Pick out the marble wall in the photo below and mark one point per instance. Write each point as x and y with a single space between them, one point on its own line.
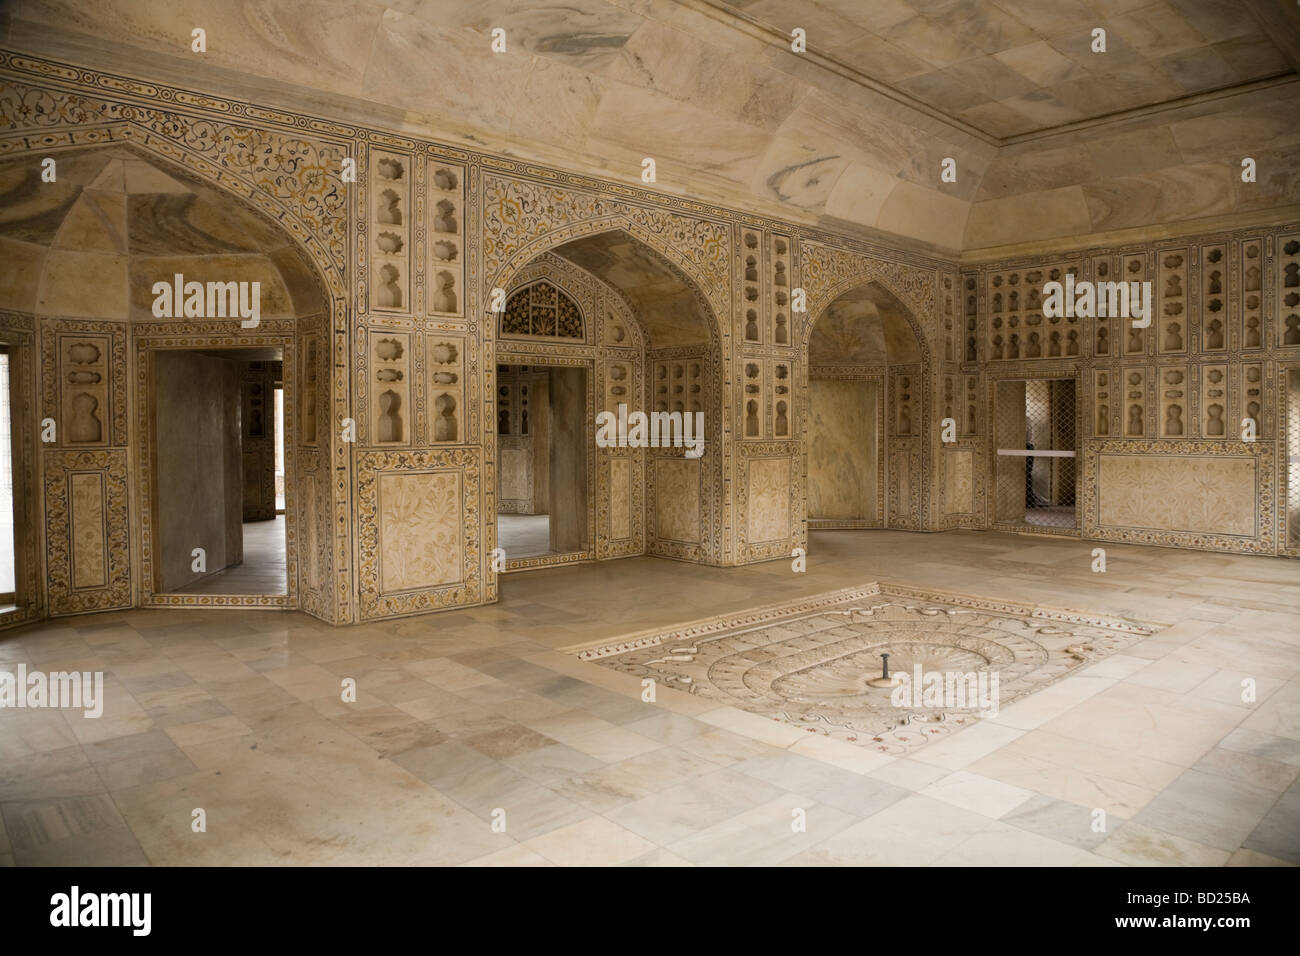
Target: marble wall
1182 424
384 298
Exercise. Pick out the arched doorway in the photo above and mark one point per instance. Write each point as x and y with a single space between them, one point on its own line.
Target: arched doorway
641 336
866 413
150 508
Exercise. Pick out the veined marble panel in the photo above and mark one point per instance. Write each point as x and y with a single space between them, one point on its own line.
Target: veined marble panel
515 464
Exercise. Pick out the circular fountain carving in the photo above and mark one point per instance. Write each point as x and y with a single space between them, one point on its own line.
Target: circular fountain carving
812 668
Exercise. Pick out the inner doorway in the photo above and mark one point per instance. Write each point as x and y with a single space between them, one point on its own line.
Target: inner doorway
217 439
1037 453
543 430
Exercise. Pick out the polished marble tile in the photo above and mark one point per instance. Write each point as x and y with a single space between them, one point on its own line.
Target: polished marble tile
1212 809
464 713
1138 845
1063 822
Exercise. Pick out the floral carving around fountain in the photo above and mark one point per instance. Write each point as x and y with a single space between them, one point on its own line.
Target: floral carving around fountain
808 662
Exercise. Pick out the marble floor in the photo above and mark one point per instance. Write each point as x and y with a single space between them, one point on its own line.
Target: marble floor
263 570
1150 756
524 536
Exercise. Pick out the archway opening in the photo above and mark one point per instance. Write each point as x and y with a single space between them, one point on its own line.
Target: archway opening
94 234
605 324
865 402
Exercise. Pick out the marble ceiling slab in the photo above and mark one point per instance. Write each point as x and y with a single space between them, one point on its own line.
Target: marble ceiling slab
944 87
819 21
1252 56
1154 31
1200 70
991 77
985 26
797 174
1044 109
931 42
584 36
876 15
998 118
1206 138
1041 63
1278 184
676 63
1137 151
1213 18
859 194
930 215
666 129
1047 214
95 223
467 82
1184 192
885 144
556 104
883 60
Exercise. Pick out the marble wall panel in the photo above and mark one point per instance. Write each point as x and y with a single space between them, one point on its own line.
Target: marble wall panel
769 500
1203 494
620 498
87 532
420 535
677 499
89 552
419 527
959 481
843 449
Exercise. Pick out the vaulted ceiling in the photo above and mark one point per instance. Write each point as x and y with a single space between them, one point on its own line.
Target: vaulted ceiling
1051 141
113 223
